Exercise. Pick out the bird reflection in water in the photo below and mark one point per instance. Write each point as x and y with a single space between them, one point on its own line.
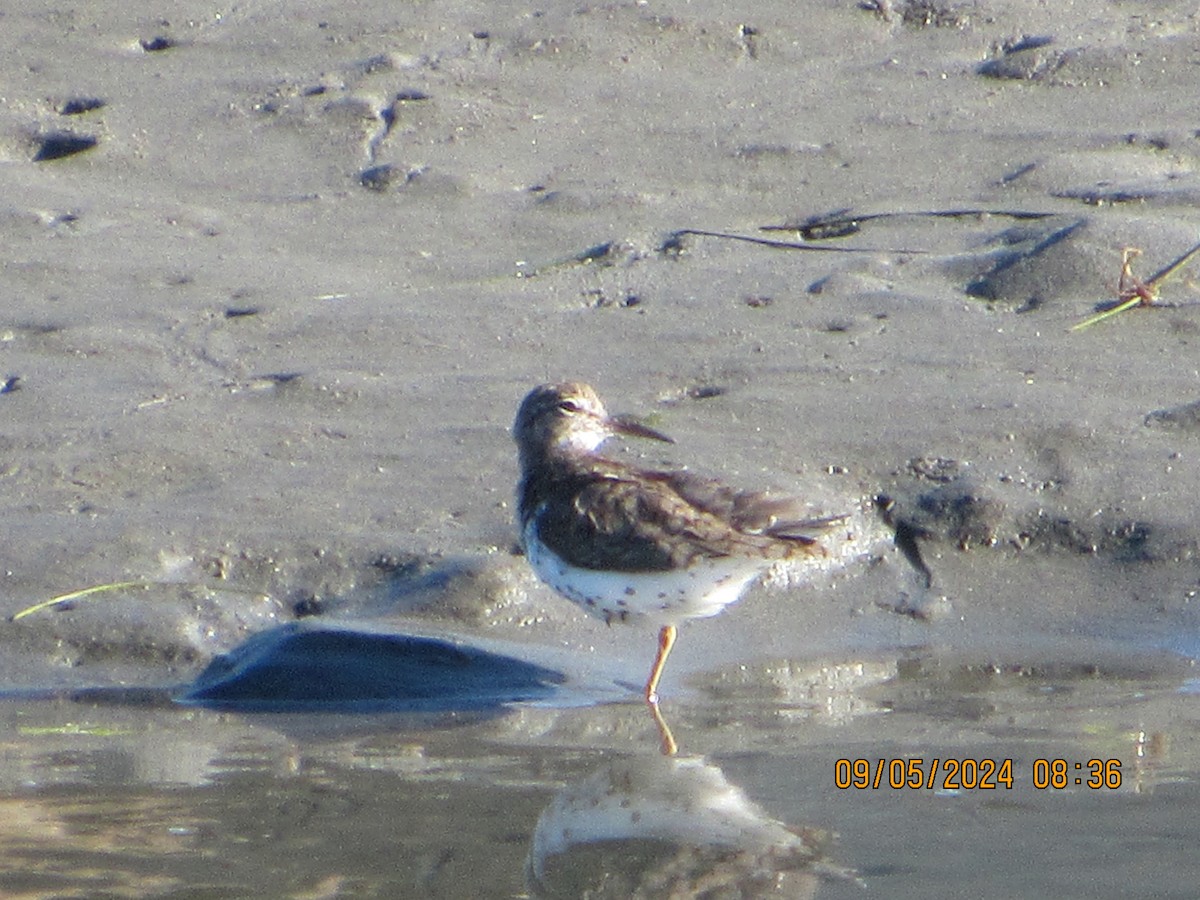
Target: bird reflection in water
670 826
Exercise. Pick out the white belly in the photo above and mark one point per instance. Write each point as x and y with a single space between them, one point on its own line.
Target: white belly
659 598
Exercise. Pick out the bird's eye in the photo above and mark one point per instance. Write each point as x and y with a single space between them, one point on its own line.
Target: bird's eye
569 406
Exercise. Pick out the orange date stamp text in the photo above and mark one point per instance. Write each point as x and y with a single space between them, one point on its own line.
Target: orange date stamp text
971 774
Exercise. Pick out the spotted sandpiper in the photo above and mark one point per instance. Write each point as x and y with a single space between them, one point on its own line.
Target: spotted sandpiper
633 544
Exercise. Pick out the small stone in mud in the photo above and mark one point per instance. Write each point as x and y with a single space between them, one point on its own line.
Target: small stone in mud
935 468
598 298
927 14
397 565
373 65
280 377
156 44
1028 59
307 606
598 253
673 246
1153 142
241 312
61 144
1183 418
77 105
377 178
382 177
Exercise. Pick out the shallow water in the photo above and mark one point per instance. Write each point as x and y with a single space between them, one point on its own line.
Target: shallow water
127 794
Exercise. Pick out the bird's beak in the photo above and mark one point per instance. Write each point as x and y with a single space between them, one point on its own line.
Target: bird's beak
635 428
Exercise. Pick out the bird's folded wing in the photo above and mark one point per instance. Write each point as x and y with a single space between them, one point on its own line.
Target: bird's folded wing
647 525
752 512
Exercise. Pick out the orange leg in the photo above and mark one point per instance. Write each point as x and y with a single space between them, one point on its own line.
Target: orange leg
666 640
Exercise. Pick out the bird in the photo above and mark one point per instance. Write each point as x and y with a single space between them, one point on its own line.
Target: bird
631 544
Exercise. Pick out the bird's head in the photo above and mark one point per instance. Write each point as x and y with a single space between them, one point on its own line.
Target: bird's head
570 417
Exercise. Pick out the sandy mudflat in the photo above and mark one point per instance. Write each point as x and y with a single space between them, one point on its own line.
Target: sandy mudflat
275 277
242 362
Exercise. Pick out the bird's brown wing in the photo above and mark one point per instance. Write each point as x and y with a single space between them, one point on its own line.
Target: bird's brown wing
751 512
644 524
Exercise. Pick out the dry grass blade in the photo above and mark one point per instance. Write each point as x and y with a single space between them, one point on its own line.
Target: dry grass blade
1132 291
111 587
79 595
